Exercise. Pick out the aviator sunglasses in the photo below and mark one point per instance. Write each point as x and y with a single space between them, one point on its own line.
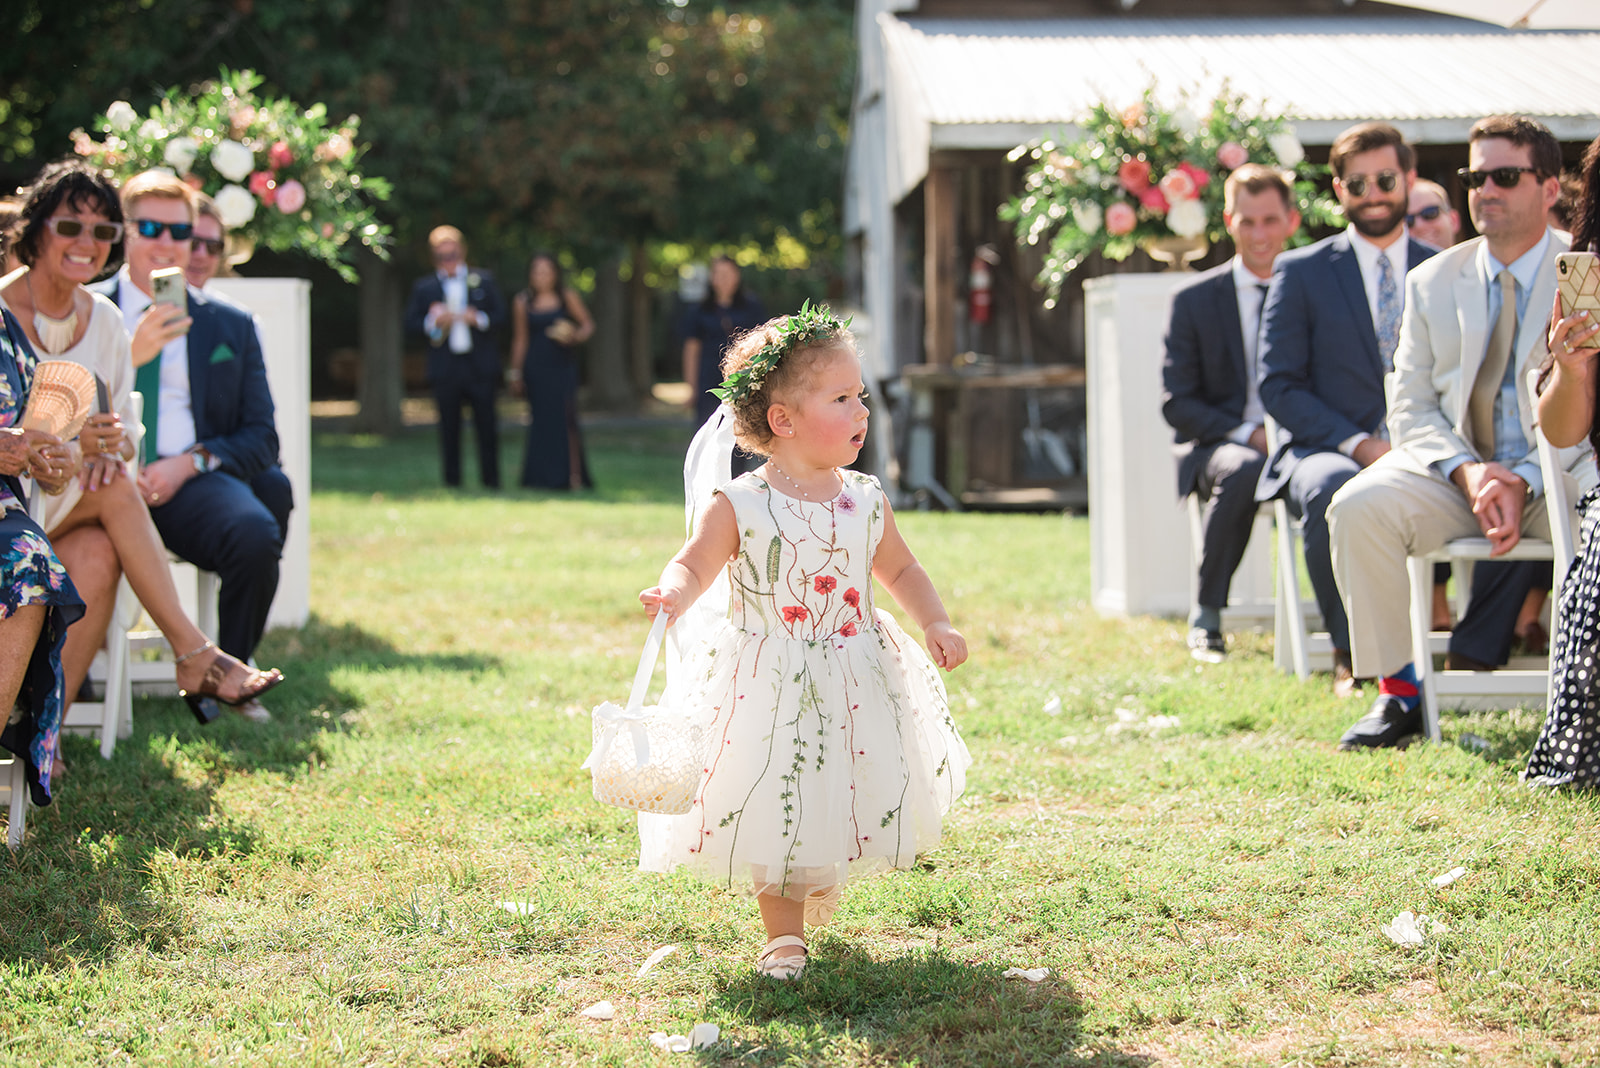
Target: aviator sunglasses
1386 181
1427 214
105 231
1504 177
150 228
213 245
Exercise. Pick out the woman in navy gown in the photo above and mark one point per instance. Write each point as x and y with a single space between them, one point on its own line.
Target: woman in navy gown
728 309
549 319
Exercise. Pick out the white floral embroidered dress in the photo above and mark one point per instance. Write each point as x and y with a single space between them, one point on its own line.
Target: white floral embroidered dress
831 751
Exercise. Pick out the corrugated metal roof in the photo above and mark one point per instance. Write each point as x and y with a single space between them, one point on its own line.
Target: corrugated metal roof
1408 69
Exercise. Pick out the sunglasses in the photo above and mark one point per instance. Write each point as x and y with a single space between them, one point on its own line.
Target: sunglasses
1504 177
1386 181
150 228
106 231
213 245
1427 214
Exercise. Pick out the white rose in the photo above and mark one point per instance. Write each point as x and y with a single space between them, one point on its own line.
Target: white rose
121 116
233 161
1088 216
235 205
180 153
1187 218
151 130
1187 122
1285 144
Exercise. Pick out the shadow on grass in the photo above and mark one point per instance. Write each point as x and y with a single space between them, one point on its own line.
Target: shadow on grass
923 1008
96 874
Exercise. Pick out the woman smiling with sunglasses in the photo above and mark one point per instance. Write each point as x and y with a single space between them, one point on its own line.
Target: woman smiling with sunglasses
71 226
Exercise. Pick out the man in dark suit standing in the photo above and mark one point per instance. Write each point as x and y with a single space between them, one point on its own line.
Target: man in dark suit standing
1329 331
210 474
459 312
1211 400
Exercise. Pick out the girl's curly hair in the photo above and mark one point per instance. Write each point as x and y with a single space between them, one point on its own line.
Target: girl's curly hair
751 430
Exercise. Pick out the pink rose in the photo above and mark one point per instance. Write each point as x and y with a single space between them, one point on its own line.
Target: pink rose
1152 199
1176 185
280 155
291 197
264 188
1200 178
1231 156
1120 218
1134 174
327 229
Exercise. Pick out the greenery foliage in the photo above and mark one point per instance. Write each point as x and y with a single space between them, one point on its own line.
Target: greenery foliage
281 175
1146 172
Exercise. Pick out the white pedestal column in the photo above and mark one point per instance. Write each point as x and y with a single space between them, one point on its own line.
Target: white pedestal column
282 307
1139 546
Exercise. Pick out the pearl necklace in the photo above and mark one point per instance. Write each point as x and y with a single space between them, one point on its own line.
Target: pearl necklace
803 494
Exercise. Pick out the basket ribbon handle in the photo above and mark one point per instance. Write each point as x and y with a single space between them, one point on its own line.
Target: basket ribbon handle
615 718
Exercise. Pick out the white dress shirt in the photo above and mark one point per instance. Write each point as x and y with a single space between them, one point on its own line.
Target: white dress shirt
455 299
175 424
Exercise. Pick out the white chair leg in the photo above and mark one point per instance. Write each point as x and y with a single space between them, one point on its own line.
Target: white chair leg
1196 539
209 586
1290 612
1421 570
116 684
19 804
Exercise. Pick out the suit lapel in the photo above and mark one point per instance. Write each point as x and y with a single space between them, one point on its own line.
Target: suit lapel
1227 312
1472 315
202 340
1531 334
1347 272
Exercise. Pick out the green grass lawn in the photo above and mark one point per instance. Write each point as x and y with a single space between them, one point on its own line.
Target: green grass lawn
1181 845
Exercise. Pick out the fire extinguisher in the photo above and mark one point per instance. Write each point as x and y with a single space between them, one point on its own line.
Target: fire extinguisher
980 288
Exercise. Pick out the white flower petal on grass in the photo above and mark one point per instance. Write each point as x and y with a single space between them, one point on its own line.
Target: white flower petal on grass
1052 707
704 1035
516 908
1032 975
656 958
1157 723
236 206
233 161
670 1043
600 1010
1406 930
1448 877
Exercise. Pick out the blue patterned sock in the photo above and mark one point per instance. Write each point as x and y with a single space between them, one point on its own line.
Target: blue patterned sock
1402 686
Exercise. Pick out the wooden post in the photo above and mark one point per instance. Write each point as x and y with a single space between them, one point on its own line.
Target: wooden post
941 208
641 370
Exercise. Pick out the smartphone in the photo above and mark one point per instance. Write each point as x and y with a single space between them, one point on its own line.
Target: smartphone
168 286
1578 282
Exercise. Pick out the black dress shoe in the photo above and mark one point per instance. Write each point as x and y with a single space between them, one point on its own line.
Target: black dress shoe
1462 662
1207 646
1387 725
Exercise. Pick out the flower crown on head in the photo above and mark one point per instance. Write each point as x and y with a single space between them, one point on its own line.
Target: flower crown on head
794 332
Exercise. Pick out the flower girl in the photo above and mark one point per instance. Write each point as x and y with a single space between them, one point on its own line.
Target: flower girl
830 749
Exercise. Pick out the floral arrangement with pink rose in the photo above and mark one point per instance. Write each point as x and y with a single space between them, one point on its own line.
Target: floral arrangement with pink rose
283 177
1144 173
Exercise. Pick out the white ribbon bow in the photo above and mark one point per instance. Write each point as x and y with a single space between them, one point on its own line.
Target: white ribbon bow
634 715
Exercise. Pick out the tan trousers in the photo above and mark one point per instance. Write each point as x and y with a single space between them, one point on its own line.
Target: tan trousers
1386 513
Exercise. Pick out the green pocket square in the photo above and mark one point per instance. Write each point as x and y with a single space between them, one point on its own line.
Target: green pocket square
222 353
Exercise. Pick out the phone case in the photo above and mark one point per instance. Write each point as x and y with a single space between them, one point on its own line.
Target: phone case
1578 281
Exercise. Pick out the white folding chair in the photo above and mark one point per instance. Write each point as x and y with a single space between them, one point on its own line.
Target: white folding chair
1510 686
1254 572
14 787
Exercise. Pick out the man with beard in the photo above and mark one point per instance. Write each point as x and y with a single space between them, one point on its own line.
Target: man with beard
1329 331
1464 461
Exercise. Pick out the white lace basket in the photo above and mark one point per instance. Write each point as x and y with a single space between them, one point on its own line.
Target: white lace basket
660 771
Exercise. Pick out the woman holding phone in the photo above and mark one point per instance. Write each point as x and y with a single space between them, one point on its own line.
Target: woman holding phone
1568 750
70 227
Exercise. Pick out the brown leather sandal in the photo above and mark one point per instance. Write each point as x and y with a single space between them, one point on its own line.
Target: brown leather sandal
222 668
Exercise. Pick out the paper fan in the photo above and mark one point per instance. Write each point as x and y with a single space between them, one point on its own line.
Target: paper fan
62 397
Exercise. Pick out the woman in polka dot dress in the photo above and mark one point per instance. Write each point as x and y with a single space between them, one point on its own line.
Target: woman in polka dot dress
1568 750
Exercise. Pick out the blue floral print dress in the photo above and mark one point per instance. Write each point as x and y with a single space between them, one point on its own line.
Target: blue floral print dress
30 574
831 751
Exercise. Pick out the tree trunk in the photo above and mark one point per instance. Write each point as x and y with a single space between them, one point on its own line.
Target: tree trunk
608 348
640 363
382 375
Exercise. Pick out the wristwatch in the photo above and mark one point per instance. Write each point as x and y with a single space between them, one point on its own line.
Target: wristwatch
204 461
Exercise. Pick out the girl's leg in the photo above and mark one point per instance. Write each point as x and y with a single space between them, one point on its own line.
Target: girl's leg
783 916
91 560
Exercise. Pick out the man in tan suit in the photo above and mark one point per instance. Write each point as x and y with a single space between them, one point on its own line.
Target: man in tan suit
1464 461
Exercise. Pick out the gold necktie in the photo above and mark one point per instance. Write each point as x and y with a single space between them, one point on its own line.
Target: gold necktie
1491 375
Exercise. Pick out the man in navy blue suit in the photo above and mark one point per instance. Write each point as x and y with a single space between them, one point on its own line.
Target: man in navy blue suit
210 476
1210 398
1330 330
459 312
